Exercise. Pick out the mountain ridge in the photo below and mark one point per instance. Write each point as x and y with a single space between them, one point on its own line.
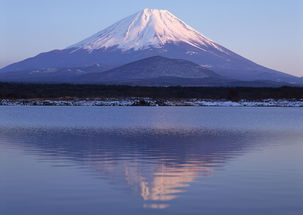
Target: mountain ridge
151 68
148 33
146 28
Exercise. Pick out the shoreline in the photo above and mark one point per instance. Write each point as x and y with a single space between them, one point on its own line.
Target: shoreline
152 102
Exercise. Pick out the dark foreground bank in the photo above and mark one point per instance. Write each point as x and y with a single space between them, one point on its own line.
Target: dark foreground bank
69 91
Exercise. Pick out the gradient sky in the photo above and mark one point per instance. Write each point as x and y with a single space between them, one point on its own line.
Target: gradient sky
269 32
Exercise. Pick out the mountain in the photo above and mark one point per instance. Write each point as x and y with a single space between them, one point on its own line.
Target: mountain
152 71
51 75
161 71
151 68
148 33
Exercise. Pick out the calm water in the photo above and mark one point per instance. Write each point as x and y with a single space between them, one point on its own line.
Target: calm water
149 160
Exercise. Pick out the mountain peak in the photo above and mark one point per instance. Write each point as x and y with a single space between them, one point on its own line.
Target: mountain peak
149 10
145 29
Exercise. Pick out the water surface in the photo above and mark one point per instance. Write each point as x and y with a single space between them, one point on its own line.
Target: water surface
151 160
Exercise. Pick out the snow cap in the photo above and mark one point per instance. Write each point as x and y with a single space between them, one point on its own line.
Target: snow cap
145 29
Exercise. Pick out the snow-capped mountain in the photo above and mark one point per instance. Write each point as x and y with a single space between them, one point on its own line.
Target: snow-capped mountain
148 33
148 28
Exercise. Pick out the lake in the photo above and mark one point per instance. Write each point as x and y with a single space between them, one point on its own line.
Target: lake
151 160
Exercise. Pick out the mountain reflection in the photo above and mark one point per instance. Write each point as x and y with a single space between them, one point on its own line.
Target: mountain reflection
158 165
163 183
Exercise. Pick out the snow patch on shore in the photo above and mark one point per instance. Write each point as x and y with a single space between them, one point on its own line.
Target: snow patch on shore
152 102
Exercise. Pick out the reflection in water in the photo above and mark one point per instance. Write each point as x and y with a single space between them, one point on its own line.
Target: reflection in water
163 184
94 160
157 164
168 181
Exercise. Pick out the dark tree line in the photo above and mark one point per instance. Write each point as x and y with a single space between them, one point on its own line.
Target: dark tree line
69 91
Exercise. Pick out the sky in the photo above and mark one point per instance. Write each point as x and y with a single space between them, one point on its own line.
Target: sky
268 32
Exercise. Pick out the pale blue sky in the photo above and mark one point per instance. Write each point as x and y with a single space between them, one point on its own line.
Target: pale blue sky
269 32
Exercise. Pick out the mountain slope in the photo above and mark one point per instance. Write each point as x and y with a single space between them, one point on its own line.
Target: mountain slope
151 68
51 75
161 71
150 33
145 29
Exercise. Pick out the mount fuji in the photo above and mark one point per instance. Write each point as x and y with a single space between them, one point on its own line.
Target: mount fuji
145 34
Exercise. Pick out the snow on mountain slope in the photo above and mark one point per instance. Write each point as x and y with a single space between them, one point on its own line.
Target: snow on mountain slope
145 29
148 33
